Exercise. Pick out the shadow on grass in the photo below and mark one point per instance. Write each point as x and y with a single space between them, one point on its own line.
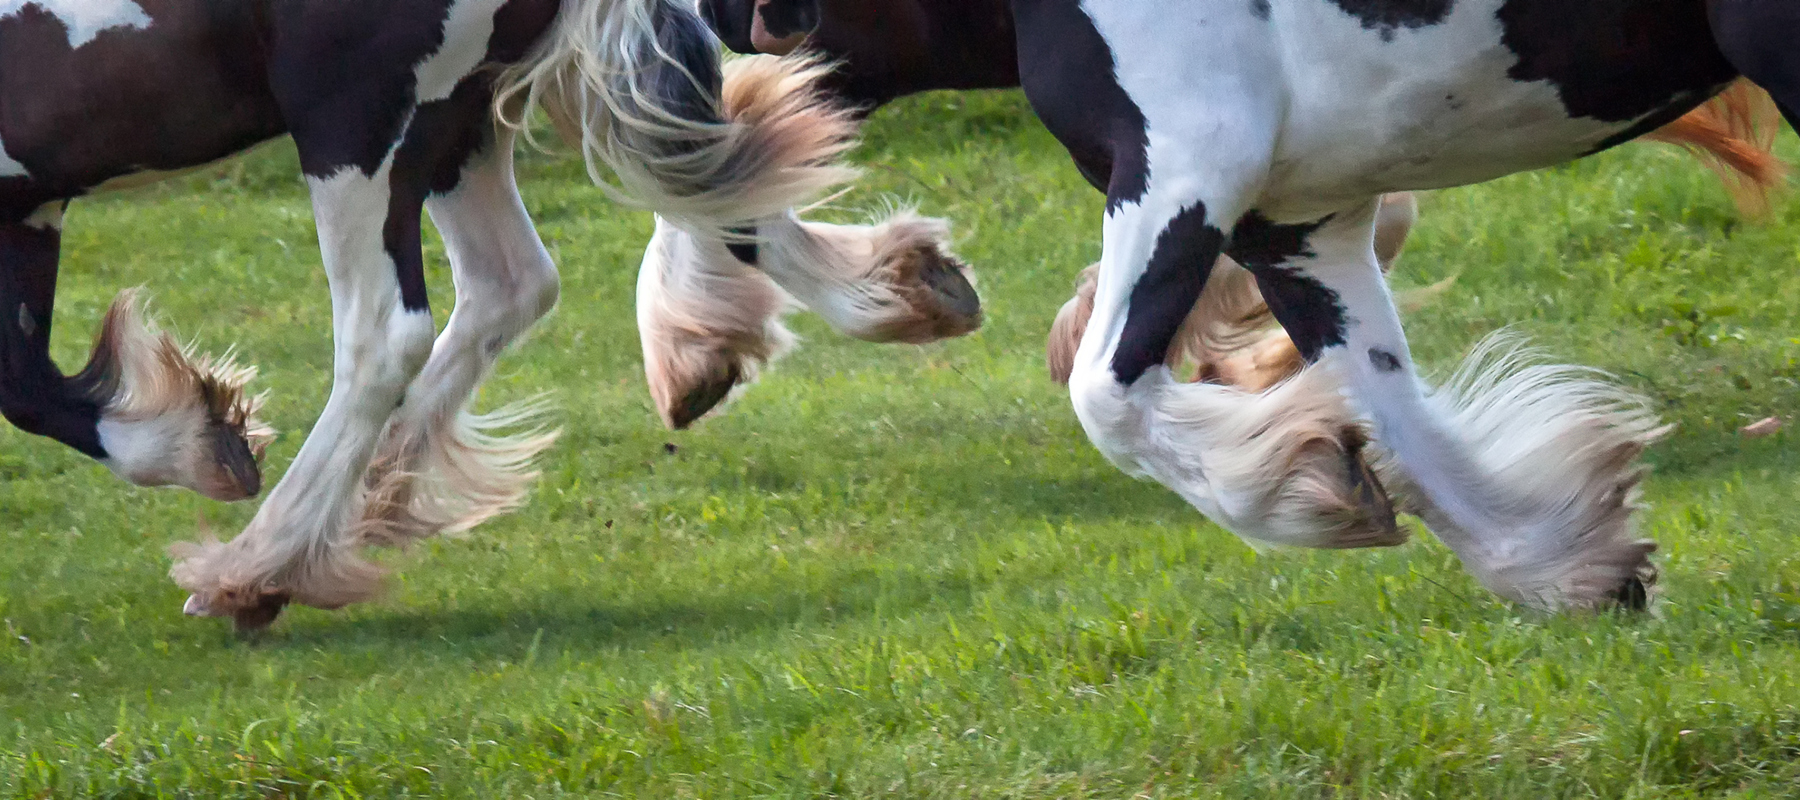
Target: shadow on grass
562 621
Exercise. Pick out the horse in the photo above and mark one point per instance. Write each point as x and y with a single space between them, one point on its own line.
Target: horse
709 322
396 108
1267 131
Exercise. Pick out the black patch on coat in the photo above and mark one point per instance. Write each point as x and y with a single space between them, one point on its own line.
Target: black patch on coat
1260 9
730 20
1069 76
1616 60
345 78
784 18
892 48
34 395
1166 292
1310 312
1384 361
1387 16
441 139
191 88
1757 37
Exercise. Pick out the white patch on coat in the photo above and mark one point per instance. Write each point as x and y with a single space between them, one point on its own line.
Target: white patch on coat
47 217
9 167
1360 116
466 32
84 19
155 451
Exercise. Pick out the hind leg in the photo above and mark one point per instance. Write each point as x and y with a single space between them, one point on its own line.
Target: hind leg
708 322
151 411
1757 37
441 468
709 312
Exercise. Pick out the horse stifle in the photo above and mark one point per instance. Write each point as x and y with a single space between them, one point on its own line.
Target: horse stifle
1266 130
395 107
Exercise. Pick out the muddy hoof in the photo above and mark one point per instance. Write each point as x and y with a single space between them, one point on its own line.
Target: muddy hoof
696 401
259 616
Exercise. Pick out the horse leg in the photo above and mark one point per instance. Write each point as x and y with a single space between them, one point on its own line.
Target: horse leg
1757 36
150 410
299 547
1225 334
708 322
894 281
1282 466
441 468
1525 471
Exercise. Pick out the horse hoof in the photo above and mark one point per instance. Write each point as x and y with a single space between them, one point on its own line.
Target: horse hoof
1371 498
236 475
948 279
258 617
1634 593
701 398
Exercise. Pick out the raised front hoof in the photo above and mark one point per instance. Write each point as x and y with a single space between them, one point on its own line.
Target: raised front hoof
249 615
172 416
234 471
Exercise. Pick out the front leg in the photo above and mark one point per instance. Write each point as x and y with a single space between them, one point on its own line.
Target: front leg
294 549
1526 471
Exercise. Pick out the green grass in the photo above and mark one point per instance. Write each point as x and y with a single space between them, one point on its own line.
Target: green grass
899 571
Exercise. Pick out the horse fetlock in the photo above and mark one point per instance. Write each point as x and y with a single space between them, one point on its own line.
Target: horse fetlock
184 448
450 472
253 577
917 290
1332 498
1546 478
172 417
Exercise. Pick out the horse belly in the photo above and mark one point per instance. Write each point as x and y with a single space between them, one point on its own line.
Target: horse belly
177 87
1474 90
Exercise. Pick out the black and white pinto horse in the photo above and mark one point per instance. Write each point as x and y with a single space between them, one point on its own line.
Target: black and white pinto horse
395 106
1267 130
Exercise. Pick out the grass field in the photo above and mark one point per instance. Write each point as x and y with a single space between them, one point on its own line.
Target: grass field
900 571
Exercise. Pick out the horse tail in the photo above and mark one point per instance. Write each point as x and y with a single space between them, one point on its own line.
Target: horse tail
1734 135
636 85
